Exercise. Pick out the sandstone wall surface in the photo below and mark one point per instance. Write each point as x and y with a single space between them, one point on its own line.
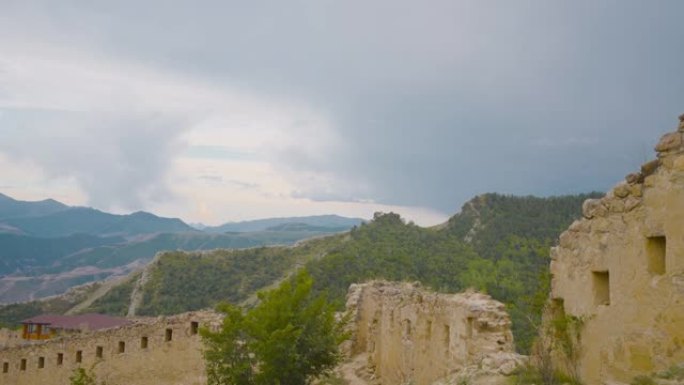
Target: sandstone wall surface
413 336
164 350
620 270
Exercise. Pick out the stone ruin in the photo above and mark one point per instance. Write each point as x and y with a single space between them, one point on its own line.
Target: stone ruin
619 273
403 334
150 351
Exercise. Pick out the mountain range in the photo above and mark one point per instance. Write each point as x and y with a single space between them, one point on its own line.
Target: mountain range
46 247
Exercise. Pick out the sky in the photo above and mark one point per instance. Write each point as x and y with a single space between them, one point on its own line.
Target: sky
217 111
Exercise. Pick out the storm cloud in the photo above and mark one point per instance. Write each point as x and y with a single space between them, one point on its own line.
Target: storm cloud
120 161
415 103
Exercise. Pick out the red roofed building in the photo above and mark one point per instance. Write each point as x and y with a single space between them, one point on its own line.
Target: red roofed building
46 326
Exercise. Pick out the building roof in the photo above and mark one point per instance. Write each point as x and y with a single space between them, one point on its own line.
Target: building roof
77 322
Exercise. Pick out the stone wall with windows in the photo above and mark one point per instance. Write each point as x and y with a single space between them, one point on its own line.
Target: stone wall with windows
163 350
619 273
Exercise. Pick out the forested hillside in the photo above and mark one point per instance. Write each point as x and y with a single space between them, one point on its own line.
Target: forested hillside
498 244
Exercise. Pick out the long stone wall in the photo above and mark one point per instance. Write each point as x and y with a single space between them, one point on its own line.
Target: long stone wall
413 336
620 272
164 350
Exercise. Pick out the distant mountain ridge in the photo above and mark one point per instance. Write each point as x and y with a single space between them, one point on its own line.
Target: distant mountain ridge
318 221
46 247
12 208
52 219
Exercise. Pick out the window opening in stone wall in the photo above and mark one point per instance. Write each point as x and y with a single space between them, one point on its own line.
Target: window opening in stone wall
41 362
407 328
557 308
60 358
22 365
428 330
5 367
79 356
169 335
601 288
655 251
98 351
469 327
447 337
194 326
122 346
143 342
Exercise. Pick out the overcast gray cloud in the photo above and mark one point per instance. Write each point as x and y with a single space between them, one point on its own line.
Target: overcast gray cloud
431 102
120 161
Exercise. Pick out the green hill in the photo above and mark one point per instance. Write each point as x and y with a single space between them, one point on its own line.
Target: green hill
182 281
50 266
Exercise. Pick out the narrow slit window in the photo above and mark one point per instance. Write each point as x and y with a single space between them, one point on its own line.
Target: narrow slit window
143 342
428 330
5 367
558 308
407 328
655 250
601 280
169 335
194 327
447 337
122 346
98 351
22 365
60 358
79 356
41 362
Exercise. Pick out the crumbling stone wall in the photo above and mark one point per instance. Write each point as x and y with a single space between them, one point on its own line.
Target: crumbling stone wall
164 350
620 271
415 336
10 338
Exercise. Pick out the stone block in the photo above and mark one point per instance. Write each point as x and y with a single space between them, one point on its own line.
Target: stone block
669 142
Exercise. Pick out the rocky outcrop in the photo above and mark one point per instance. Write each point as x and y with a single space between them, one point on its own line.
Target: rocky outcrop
620 271
406 334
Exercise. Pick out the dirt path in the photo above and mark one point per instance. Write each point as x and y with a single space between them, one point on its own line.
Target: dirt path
137 294
102 290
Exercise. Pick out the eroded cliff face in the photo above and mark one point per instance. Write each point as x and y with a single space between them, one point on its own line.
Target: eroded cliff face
407 335
620 272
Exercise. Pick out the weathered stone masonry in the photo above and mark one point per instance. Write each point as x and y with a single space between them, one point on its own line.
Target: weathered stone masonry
415 336
620 269
164 350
